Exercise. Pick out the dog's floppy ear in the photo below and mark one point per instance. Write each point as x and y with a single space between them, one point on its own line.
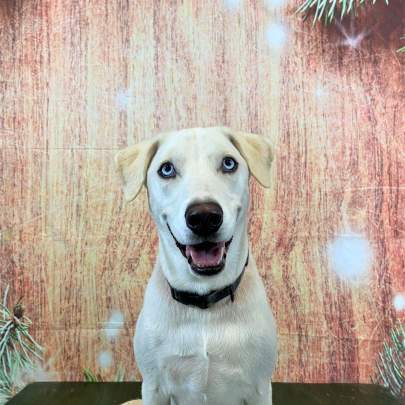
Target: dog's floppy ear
257 152
132 165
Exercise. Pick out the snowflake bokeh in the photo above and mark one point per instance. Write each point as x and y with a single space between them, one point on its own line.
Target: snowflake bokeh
350 256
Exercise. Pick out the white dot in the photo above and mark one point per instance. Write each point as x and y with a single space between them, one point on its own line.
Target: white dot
114 325
276 35
232 4
320 92
272 4
105 359
399 302
122 99
350 256
354 41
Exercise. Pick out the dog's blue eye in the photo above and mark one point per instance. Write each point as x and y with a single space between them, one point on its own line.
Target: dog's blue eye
229 165
167 170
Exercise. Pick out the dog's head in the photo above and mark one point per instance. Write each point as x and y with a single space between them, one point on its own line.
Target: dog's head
197 182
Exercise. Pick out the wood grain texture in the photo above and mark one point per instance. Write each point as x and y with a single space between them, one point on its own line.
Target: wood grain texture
79 80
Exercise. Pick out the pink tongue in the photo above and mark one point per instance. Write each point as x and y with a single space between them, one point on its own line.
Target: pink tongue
206 258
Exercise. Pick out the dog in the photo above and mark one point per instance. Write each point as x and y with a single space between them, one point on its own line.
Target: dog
206 333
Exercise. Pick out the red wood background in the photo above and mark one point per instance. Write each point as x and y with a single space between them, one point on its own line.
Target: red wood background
81 79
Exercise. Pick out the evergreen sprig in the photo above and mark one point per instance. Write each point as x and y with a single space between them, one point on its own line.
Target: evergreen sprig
391 363
18 349
403 48
332 9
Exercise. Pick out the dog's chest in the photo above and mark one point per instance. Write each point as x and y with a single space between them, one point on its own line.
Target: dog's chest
213 362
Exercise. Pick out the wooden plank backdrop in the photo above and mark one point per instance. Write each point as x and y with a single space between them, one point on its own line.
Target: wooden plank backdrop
81 79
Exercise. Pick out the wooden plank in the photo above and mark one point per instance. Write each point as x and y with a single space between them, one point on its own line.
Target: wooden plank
80 80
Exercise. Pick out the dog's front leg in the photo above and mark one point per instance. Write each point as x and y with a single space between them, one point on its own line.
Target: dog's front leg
152 395
262 396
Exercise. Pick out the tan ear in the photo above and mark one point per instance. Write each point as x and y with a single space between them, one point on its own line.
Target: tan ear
257 152
132 165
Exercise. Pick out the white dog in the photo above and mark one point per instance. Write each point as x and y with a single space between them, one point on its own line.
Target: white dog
206 334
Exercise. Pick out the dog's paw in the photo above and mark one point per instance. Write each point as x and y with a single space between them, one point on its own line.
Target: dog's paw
134 402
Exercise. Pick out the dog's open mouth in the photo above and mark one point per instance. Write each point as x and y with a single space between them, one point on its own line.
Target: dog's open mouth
206 258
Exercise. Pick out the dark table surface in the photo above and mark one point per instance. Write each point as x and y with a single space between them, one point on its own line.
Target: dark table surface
78 393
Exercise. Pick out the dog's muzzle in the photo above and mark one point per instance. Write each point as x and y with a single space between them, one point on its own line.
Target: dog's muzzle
206 258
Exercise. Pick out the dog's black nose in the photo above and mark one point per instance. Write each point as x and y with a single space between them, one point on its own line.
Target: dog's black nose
204 218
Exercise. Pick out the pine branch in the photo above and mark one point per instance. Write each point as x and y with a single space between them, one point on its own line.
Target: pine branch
90 376
329 10
391 363
18 348
402 49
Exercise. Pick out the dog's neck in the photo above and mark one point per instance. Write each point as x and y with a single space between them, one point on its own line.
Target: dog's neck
205 301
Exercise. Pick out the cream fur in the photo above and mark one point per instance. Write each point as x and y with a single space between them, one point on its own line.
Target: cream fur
224 355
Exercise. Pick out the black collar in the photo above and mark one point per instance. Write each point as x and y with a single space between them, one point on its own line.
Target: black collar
207 300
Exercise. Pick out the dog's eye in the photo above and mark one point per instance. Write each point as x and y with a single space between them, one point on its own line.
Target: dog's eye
167 170
229 165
